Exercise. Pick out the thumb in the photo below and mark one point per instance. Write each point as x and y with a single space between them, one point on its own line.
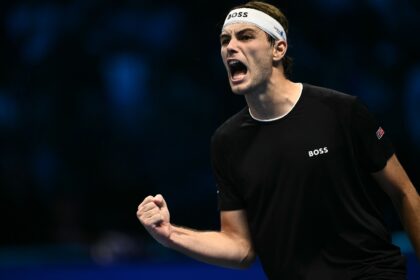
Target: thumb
159 200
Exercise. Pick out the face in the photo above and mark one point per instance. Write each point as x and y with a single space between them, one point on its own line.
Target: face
247 55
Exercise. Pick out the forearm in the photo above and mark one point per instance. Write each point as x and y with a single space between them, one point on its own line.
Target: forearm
395 182
409 210
212 247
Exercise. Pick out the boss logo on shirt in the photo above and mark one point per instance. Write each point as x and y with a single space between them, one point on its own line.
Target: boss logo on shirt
317 152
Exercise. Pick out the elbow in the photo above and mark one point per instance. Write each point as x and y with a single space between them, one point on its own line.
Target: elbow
248 260
402 197
246 263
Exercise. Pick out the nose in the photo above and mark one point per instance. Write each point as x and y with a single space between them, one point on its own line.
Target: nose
232 47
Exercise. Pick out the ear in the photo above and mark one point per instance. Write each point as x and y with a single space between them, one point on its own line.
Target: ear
279 50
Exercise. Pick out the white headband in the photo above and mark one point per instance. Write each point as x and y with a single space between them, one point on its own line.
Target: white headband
258 18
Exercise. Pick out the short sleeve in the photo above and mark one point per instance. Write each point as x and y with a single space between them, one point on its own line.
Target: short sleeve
372 144
228 197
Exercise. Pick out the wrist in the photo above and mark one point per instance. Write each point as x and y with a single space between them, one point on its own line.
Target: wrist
167 240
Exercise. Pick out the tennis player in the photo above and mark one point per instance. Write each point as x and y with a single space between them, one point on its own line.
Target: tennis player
300 172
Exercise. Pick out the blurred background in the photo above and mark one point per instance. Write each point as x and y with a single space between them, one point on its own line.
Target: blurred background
103 103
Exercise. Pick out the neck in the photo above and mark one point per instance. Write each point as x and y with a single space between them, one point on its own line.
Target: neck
275 100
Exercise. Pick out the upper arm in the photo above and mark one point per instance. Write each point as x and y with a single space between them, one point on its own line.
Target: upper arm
234 223
371 144
394 180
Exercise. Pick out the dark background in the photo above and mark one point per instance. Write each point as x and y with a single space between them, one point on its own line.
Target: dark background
105 102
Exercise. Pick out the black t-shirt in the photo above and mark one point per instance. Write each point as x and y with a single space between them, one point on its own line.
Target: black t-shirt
304 181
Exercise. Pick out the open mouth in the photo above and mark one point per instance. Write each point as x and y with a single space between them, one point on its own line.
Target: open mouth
237 69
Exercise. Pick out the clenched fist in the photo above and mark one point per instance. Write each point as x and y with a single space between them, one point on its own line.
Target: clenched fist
153 213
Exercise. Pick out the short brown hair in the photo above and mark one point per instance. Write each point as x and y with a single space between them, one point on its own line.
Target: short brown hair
278 15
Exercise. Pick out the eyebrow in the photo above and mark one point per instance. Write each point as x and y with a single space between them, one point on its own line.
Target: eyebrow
240 32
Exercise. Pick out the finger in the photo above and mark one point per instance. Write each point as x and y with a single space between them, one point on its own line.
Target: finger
148 207
155 220
145 216
159 200
146 200
151 213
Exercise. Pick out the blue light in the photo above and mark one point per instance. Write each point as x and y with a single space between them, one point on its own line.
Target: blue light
8 111
412 105
126 76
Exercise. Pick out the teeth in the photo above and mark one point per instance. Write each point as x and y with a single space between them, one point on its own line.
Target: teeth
236 67
232 62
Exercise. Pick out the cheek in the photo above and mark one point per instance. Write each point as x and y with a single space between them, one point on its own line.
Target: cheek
261 60
223 55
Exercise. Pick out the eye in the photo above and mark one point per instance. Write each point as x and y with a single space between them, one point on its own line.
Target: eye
224 40
246 37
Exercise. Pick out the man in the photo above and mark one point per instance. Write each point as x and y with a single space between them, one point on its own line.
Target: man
294 171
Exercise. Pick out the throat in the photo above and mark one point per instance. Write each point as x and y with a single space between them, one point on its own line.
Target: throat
268 108
269 117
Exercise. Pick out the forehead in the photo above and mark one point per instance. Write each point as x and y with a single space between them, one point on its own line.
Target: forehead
237 27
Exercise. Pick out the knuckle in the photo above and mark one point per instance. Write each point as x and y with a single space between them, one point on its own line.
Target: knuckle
145 200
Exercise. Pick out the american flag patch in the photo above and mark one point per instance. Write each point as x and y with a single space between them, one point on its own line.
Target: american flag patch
379 133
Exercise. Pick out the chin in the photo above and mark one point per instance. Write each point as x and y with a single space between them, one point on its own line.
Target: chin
239 89
237 92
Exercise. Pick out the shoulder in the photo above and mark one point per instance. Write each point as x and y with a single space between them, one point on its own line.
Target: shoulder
328 95
337 101
229 128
